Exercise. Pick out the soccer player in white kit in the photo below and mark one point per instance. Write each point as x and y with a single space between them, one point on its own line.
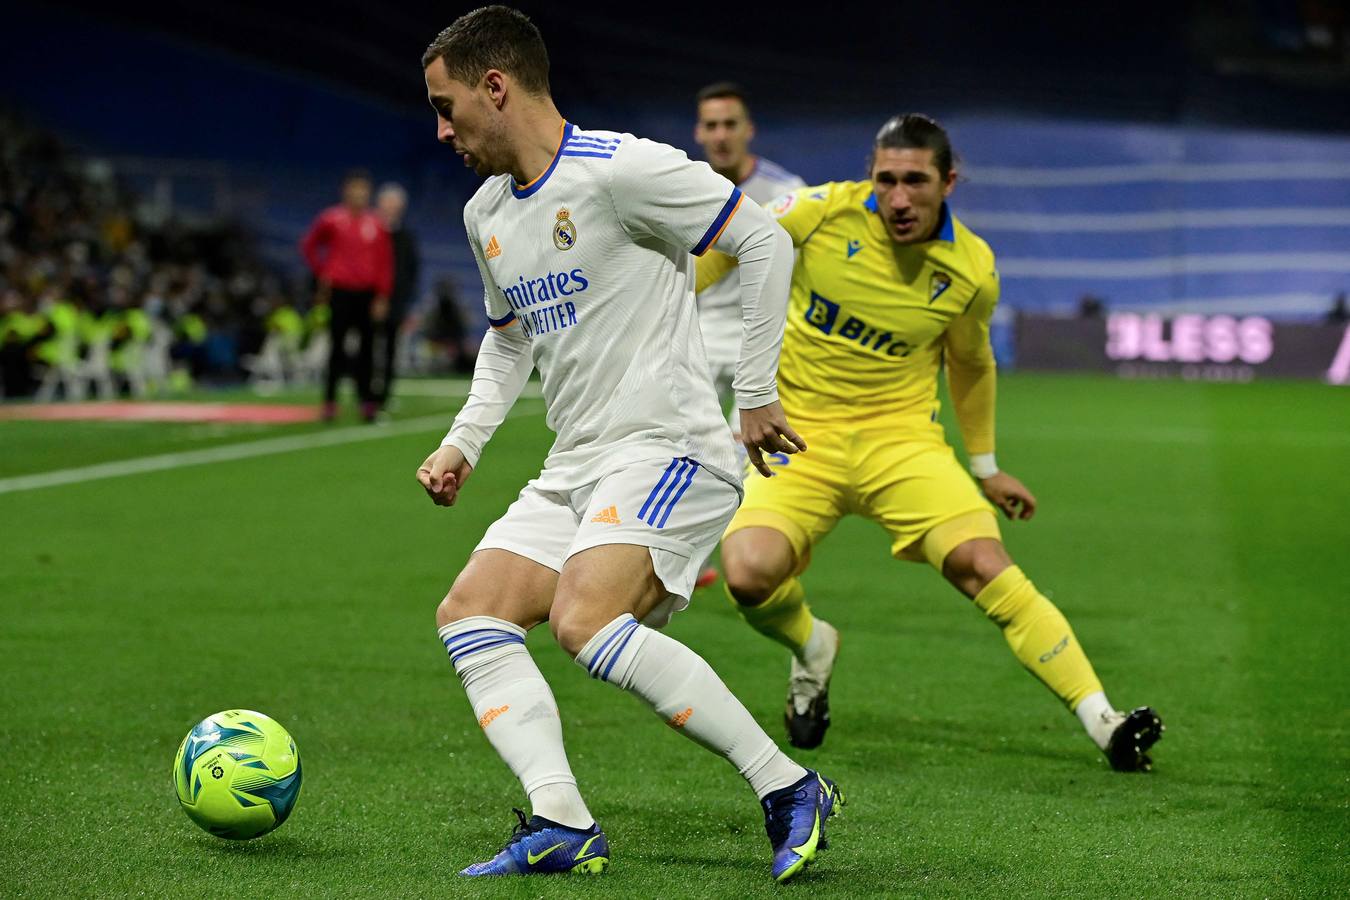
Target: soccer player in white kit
724 130
583 240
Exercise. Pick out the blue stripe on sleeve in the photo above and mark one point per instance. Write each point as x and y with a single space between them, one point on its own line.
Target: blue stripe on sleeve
716 227
503 321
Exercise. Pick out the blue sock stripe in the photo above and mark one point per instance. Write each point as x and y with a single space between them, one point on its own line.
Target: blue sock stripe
688 479
670 489
498 638
618 651
610 651
460 636
660 484
600 654
456 656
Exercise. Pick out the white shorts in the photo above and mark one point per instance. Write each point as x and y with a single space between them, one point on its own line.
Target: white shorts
674 507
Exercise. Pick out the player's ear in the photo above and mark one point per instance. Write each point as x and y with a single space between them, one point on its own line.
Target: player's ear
950 186
494 82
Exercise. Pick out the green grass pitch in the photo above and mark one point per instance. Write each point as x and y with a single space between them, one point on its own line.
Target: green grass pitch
1195 535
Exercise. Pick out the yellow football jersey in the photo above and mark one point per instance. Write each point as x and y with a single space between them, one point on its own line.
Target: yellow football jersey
870 322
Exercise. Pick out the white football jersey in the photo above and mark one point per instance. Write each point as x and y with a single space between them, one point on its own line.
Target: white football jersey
722 300
593 261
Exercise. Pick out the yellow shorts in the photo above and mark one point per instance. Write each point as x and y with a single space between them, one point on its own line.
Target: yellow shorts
907 480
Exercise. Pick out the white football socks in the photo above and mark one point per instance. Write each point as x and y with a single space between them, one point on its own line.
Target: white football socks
684 691
517 712
1099 718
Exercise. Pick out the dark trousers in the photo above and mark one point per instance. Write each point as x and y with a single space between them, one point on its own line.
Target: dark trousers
350 309
386 333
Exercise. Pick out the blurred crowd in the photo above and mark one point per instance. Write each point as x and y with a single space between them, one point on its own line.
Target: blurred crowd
101 294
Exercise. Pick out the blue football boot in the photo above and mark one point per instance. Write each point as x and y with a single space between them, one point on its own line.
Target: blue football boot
540 846
794 817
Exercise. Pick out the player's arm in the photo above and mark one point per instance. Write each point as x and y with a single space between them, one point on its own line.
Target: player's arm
763 252
972 377
500 372
799 212
659 192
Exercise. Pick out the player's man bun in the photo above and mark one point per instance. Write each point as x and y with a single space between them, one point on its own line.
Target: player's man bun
492 37
915 131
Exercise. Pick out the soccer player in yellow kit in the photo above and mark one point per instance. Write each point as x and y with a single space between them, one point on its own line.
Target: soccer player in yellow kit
889 286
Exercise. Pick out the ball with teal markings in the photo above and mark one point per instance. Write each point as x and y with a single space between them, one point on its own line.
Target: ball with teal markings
237 774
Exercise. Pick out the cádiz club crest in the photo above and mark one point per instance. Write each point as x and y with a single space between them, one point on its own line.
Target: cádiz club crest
564 232
937 285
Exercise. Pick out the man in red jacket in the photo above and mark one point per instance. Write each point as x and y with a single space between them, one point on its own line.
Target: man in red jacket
349 251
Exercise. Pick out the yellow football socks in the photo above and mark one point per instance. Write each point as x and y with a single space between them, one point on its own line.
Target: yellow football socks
1039 635
785 617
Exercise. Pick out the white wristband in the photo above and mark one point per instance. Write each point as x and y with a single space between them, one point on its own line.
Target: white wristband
982 465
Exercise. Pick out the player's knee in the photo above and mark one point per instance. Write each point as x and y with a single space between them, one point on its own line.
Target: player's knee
464 599
975 563
571 628
753 572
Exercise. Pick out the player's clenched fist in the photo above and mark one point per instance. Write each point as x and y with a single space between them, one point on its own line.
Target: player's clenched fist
767 428
443 474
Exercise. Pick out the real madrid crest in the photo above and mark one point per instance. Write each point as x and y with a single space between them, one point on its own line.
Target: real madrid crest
564 232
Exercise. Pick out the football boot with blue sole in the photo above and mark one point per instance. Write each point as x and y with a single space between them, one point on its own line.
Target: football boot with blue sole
540 846
795 818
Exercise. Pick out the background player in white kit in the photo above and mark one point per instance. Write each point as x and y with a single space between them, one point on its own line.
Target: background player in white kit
724 130
583 240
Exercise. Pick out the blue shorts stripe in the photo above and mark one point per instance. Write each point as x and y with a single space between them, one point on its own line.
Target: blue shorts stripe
618 651
660 484
688 479
670 489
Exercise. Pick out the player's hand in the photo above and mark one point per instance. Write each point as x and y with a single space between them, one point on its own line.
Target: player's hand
767 428
379 309
443 474
1009 495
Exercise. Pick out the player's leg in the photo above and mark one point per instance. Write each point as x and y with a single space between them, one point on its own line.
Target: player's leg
338 325
765 550
365 355
1044 643
635 561
505 589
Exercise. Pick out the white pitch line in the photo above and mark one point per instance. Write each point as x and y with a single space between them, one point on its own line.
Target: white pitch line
231 452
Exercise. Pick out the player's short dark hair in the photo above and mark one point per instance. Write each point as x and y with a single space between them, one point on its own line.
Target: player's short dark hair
356 175
721 90
915 131
492 37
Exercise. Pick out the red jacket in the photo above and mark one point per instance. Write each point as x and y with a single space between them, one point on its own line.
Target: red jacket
351 250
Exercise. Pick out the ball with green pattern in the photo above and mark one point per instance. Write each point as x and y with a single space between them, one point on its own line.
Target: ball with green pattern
237 774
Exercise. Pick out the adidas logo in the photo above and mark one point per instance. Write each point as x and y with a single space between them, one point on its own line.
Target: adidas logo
493 249
678 720
608 516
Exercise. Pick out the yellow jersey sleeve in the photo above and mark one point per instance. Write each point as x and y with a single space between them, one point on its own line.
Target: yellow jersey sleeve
799 212
971 372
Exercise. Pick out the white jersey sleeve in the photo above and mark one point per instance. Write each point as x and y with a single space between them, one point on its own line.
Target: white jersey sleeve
499 311
660 192
500 372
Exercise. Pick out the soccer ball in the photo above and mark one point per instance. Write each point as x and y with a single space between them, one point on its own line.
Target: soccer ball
237 774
